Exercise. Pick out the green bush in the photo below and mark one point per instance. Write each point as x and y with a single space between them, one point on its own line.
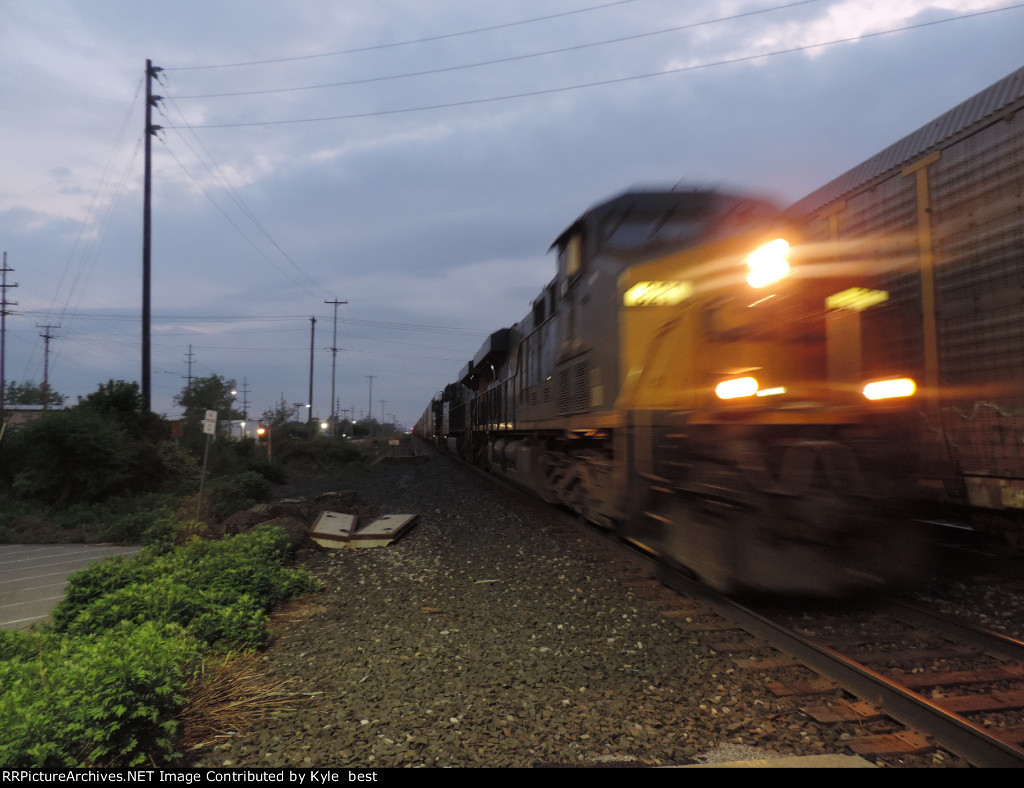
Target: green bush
235 493
98 579
218 590
105 684
107 700
322 455
68 457
86 454
18 644
145 519
274 474
213 615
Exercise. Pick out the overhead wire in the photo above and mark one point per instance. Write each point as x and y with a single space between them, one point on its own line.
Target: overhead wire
509 59
606 82
259 250
217 173
426 39
97 220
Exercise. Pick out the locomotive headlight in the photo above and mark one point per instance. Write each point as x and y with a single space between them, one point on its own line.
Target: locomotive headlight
736 388
888 389
768 264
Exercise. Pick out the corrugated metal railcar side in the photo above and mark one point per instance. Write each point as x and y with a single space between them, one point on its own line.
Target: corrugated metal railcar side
944 208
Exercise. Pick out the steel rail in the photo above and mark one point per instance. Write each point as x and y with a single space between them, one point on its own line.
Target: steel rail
955 733
965 631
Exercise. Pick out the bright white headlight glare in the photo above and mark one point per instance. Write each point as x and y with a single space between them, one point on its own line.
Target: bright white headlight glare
768 264
889 389
736 388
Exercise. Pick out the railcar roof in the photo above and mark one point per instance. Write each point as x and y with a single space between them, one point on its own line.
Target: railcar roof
999 96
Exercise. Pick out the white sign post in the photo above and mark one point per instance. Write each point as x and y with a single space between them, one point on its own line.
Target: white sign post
209 429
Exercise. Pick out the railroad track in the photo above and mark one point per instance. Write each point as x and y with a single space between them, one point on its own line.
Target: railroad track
950 683
904 680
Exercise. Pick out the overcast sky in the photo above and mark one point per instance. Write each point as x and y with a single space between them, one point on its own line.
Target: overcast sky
415 158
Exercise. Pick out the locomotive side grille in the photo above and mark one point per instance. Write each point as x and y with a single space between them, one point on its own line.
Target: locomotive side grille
563 391
581 387
574 388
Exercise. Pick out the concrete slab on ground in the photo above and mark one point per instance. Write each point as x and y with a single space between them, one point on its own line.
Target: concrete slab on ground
333 529
383 531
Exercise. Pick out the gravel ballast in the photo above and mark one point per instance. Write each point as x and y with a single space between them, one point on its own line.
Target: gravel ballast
482 638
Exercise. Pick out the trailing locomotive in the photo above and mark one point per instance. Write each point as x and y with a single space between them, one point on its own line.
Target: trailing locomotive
716 390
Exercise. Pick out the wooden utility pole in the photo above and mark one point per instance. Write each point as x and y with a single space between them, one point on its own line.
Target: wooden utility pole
47 336
369 411
4 311
151 72
334 363
309 402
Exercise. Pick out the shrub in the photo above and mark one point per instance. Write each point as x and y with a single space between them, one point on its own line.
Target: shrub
67 457
235 493
86 454
104 686
106 700
98 579
212 615
274 474
18 644
217 590
318 456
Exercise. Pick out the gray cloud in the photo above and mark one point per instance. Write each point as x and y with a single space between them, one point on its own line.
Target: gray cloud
434 225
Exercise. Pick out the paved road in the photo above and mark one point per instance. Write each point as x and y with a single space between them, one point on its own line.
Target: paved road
32 577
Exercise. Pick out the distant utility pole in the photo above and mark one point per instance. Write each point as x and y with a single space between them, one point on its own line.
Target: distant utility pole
334 362
369 412
245 399
151 100
47 336
312 344
190 356
4 312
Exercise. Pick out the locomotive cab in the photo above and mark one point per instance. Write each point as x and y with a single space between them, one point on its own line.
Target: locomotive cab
769 420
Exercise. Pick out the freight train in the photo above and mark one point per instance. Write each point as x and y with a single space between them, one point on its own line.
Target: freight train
764 396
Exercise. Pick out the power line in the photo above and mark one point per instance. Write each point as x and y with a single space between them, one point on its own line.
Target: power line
511 58
218 175
240 231
605 82
394 44
264 318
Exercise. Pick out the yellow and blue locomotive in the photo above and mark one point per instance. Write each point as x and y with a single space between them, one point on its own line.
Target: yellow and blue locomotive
713 389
